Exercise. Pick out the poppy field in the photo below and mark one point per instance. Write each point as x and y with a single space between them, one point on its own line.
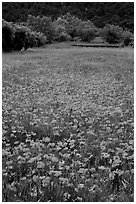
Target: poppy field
68 125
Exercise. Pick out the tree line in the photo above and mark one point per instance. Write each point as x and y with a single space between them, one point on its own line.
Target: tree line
100 13
38 31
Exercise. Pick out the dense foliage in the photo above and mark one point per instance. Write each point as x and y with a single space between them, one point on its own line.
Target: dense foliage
67 27
86 31
16 37
115 34
7 36
100 13
70 23
43 25
37 31
68 124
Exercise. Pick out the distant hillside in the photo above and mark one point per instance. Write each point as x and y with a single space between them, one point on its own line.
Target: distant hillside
100 13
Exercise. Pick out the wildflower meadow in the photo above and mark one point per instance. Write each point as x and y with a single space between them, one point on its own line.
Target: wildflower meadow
68 125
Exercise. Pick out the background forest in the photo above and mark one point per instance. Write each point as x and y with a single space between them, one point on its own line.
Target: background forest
117 13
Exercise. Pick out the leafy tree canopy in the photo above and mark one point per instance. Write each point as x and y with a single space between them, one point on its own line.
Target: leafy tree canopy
100 13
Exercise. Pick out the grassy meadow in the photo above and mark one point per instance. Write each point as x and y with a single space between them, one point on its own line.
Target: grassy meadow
68 124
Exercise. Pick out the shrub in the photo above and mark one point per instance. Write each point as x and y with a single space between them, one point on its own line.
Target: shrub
43 25
26 38
62 37
30 40
128 38
59 29
16 37
41 39
8 32
20 37
112 33
86 30
70 23
86 34
116 34
60 32
34 39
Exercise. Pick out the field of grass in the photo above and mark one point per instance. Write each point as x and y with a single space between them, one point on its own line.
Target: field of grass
68 125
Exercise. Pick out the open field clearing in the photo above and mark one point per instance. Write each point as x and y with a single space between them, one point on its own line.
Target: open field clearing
68 124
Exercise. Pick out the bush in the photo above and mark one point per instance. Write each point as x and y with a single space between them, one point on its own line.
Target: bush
43 25
34 39
86 34
8 32
26 38
62 37
112 33
20 37
128 38
86 30
41 39
16 37
30 40
116 34
70 23
59 29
